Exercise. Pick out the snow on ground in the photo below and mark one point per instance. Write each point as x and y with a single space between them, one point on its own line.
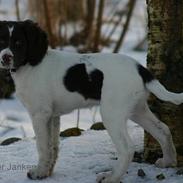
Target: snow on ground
80 160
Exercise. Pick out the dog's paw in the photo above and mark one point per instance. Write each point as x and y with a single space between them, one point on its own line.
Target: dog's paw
161 163
38 173
101 177
106 177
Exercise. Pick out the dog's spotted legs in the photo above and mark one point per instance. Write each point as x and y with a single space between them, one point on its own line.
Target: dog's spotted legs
115 124
55 131
160 131
43 129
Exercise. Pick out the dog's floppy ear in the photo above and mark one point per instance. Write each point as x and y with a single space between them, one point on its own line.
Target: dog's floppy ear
37 42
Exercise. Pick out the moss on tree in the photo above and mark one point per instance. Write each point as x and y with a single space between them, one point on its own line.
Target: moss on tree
165 60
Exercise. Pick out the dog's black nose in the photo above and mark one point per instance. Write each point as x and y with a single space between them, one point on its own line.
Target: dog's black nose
7 59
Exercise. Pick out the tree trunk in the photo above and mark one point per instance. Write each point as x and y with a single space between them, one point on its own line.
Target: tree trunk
165 60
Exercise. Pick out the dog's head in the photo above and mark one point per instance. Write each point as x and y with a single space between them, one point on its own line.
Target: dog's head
21 43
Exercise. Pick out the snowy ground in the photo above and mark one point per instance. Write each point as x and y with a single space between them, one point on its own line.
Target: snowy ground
80 159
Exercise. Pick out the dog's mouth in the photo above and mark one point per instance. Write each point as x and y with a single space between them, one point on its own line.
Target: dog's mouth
8 68
6 59
8 65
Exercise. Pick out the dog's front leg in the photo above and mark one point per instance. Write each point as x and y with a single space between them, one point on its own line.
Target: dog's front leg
55 132
44 131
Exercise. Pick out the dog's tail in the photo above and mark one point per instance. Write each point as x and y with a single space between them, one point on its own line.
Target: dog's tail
155 87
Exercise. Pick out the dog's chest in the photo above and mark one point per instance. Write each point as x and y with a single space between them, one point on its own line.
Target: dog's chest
24 87
23 92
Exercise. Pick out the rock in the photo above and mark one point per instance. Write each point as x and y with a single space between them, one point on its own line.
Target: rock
180 171
160 177
71 132
10 141
98 126
141 173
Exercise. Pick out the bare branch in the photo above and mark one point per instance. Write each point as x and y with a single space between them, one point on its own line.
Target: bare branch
124 31
17 9
48 23
99 24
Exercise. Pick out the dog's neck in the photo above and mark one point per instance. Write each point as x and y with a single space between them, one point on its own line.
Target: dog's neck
21 74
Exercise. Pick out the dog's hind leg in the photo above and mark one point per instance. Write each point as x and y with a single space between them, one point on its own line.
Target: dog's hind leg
160 131
42 128
115 122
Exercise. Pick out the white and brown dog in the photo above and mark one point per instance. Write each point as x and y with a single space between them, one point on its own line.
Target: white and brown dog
51 83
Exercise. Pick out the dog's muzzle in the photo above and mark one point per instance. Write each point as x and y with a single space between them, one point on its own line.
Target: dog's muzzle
6 58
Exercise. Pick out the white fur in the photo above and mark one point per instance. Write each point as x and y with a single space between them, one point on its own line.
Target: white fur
4 52
11 30
41 90
160 91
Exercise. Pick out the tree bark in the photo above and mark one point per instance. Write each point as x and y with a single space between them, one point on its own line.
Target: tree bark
165 60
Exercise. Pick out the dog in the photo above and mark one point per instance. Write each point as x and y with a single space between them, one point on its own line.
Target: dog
51 83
